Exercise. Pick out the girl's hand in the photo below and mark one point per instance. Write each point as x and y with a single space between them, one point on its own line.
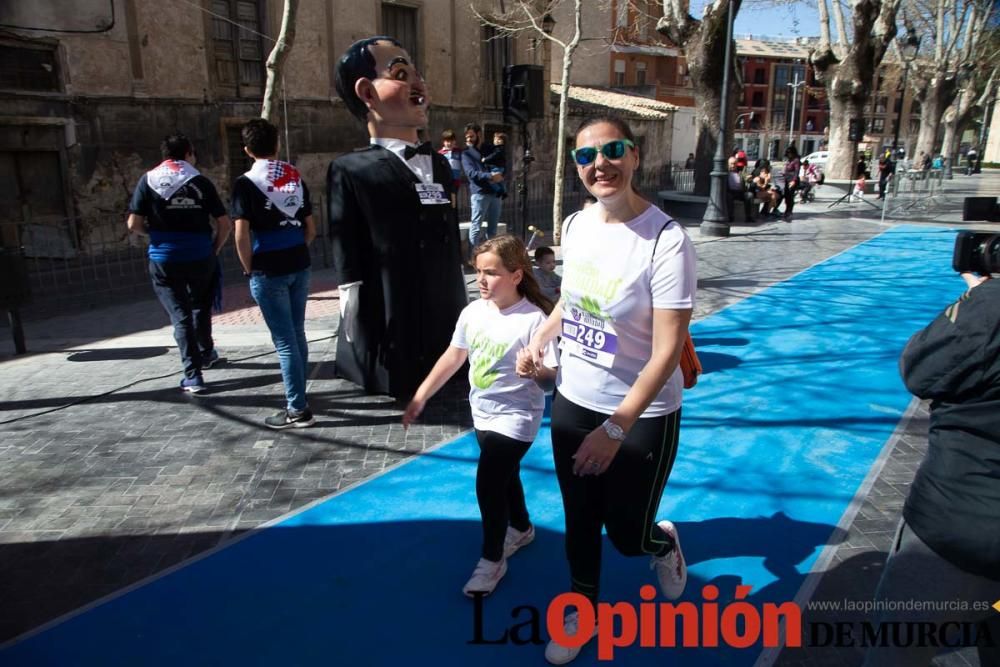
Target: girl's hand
413 410
595 454
525 365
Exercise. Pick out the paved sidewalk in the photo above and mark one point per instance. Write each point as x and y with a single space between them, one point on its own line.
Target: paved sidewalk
109 474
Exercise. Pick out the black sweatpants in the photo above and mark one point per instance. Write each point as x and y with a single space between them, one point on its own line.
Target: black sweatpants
185 290
499 490
623 499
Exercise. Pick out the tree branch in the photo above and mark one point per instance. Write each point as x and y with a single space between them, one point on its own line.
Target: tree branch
276 60
676 24
884 29
939 32
824 29
838 18
508 24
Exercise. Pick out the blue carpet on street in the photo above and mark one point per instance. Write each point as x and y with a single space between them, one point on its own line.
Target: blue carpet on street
801 392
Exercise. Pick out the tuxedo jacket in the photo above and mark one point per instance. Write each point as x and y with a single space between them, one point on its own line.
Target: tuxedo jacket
408 257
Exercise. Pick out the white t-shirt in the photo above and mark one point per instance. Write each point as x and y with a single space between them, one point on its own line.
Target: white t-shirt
612 281
501 401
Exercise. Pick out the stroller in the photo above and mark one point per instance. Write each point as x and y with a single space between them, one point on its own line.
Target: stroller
811 177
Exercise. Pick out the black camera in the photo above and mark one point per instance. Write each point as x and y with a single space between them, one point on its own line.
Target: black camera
977 252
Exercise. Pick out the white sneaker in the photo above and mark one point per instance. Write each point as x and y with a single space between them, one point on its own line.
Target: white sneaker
485 577
671 570
516 539
557 654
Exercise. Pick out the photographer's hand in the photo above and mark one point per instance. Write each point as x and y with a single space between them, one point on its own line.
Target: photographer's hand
972 280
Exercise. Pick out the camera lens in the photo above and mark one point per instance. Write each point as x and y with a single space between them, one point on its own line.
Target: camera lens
977 252
991 254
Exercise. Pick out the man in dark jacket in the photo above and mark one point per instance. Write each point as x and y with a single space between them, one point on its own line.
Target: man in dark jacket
886 168
948 546
396 247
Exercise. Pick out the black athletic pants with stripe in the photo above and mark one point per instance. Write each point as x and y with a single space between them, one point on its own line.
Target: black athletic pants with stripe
623 499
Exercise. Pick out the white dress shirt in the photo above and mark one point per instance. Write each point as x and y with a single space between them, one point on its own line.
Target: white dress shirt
421 165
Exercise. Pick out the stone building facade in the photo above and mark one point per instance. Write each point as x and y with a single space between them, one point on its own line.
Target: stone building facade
86 96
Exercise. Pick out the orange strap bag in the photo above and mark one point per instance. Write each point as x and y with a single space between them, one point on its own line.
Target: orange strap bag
690 364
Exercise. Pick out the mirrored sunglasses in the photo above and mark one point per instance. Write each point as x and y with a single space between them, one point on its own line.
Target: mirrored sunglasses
612 150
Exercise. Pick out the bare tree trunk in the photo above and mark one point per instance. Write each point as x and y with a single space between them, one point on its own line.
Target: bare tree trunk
703 42
949 144
276 60
847 94
959 115
560 168
843 151
708 103
848 78
936 97
957 27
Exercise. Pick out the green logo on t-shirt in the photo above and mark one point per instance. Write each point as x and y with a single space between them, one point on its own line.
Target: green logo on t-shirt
597 291
484 353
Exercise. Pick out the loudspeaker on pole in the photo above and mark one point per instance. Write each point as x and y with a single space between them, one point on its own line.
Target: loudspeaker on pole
523 92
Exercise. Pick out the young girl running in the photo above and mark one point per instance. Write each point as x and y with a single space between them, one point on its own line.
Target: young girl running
492 333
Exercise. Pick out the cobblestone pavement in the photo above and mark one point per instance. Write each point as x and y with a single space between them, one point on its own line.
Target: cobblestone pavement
108 474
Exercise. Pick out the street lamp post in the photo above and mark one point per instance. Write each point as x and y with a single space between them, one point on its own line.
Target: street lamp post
909 51
716 220
791 119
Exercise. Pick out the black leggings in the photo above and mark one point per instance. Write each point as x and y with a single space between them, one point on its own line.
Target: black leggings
623 499
499 490
789 199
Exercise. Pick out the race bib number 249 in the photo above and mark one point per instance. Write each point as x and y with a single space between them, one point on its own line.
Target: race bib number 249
589 337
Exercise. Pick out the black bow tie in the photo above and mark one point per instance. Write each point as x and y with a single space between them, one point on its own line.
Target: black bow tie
422 149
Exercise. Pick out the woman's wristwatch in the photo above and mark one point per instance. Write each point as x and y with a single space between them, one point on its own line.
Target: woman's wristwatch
614 431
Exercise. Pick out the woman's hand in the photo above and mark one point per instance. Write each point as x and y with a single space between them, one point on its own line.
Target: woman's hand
545 333
535 351
413 410
595 454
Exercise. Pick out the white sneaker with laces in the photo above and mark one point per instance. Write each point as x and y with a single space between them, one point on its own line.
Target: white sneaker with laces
485 577
516 539
671 570
556 653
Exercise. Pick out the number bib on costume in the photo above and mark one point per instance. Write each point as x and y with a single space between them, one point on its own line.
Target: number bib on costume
588 336
432 194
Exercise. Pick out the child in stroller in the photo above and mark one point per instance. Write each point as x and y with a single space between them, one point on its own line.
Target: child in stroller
810 178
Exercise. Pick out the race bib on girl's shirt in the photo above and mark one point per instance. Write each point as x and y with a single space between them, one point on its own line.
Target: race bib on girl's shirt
280 182
169 177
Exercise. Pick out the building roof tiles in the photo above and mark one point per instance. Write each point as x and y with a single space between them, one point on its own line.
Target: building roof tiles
642 107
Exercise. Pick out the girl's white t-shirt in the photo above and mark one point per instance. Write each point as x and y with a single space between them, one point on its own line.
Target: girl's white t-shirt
612 281
501 401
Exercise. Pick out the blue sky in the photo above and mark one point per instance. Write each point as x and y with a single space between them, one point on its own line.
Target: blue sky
796 19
